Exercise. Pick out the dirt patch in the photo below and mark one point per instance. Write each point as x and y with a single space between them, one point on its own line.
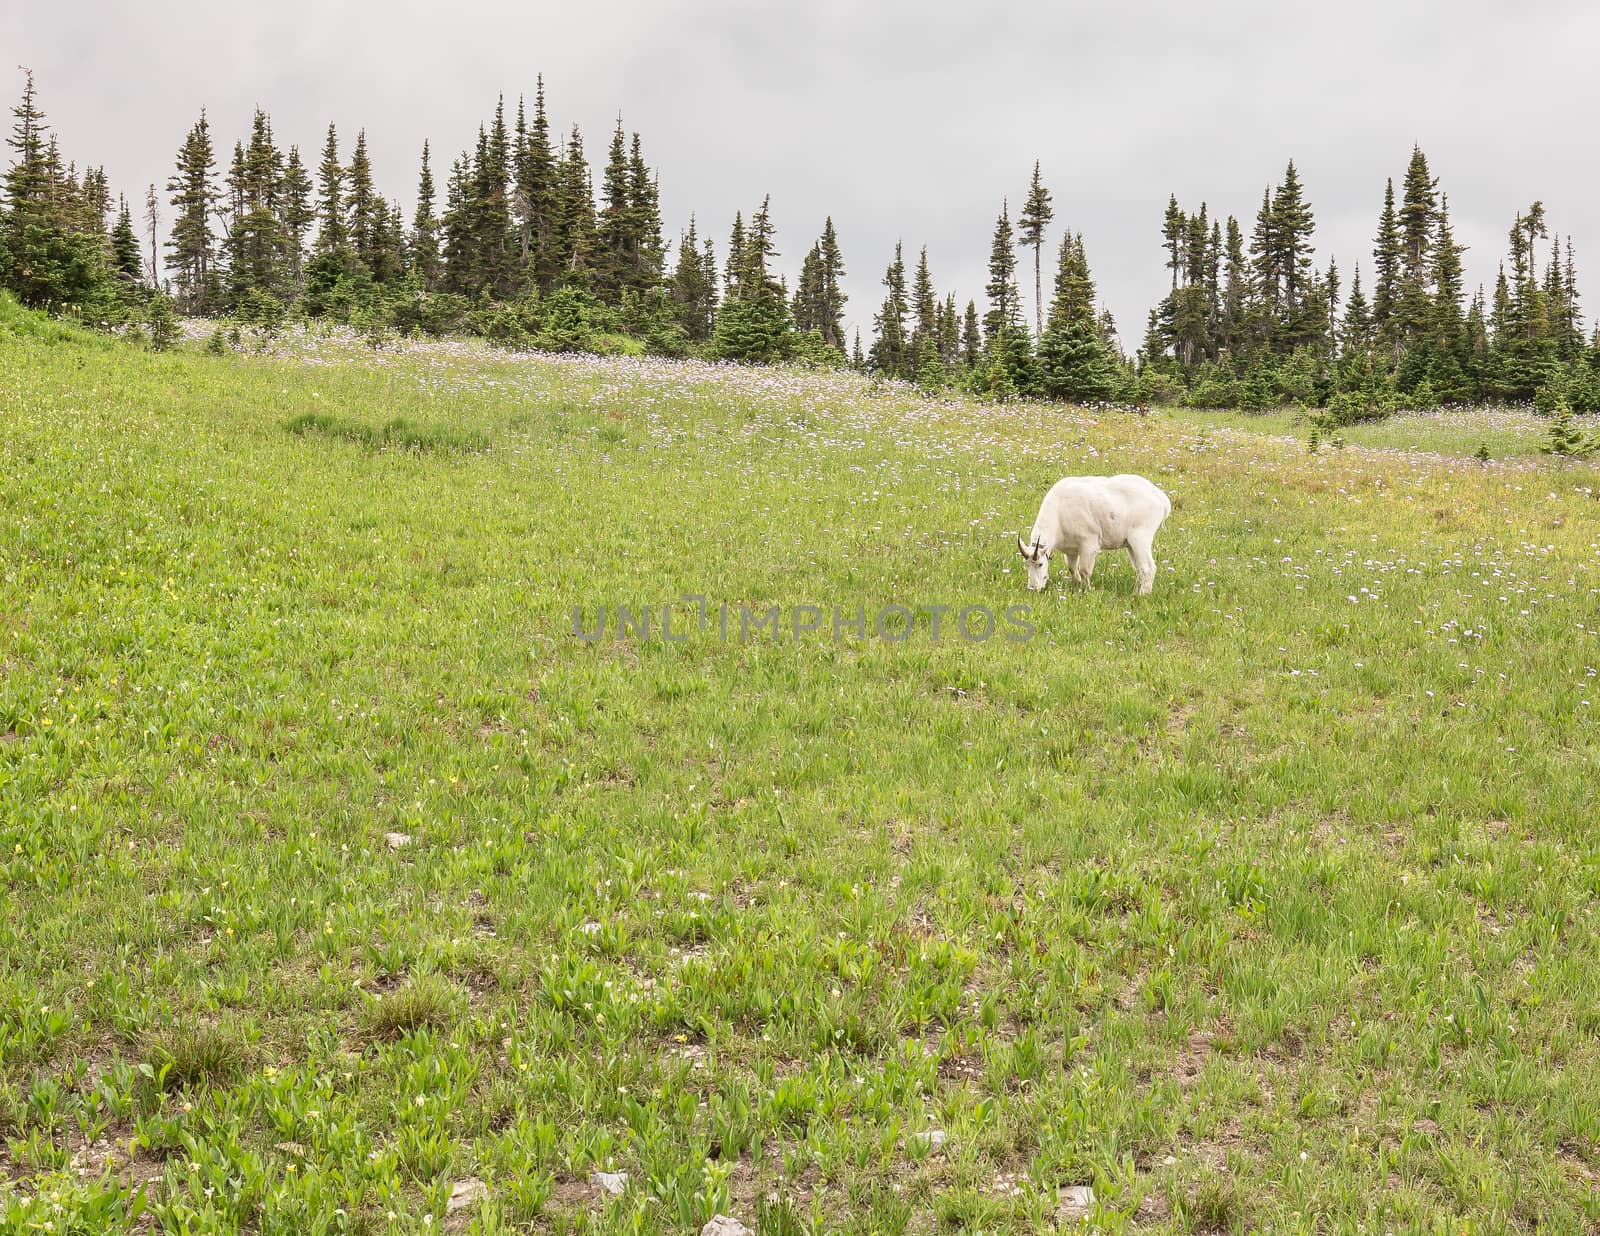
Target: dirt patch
1190 1060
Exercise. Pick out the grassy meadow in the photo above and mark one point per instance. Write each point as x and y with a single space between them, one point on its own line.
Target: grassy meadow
347 890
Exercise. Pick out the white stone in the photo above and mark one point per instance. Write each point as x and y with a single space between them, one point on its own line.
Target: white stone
721 1225
609 1182
468 1192
397 841
1076 1203
933 1139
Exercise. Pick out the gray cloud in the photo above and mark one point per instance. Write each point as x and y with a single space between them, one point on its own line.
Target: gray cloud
901 120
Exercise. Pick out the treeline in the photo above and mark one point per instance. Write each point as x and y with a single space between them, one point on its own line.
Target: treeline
512 242
1253 323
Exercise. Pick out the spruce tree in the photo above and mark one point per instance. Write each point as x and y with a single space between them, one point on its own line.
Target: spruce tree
1386 259
1037 213
924 306
971 338
1073 360
125 246
296 213
425 230
538 196
367 213
332 234
255 242
194 195
890 355
616 240
574 211
1004 310
831 309
692 291
644 208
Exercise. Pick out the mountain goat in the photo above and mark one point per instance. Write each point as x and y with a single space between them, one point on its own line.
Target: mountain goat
1081 515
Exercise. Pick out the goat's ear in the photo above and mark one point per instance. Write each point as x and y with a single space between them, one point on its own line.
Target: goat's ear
1022 548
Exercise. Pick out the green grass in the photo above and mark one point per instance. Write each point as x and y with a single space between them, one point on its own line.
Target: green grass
1508 433
1265 903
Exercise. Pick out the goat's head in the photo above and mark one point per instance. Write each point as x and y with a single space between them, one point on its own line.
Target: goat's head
1038 559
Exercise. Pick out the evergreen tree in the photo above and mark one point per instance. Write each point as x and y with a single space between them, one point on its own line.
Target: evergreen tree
830 318
1386 258
425 261
367 213
616 238
125 246
644 208
332 234
694 288
1004 308
1448 324
1414 317
890 354
194 195
539 198
575 220
971 338
1037 213
255 241
296 213
1073 360
1357 337
924 305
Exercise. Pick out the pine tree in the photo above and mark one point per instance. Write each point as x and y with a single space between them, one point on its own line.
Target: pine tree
616 241
1037 213
971 338
152 222
575 226
693 290
538 198
890 354
332 235
1292 228
425 230
924 305
1448 323
296 213
736 243
125 246
194 195
1004 310
1414 316
255 240
644 208
1357 336
1386 258
1073 359
367 213
831 308
491 209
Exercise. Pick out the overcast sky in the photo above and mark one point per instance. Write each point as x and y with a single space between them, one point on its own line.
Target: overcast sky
901 120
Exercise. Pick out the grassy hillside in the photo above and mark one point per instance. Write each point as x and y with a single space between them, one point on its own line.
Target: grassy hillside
341 876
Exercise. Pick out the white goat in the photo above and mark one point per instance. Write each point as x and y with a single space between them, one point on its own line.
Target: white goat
1081 515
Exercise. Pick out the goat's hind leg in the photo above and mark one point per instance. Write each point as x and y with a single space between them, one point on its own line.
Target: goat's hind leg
1141 550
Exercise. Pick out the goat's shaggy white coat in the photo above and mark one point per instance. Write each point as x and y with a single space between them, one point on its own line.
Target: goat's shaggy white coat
1081 515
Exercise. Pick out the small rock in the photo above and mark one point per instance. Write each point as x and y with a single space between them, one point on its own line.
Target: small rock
590 928
468 1192
721 1225
1169 1161
397 841
933 1139
1076 1203
294 1148
609 1182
